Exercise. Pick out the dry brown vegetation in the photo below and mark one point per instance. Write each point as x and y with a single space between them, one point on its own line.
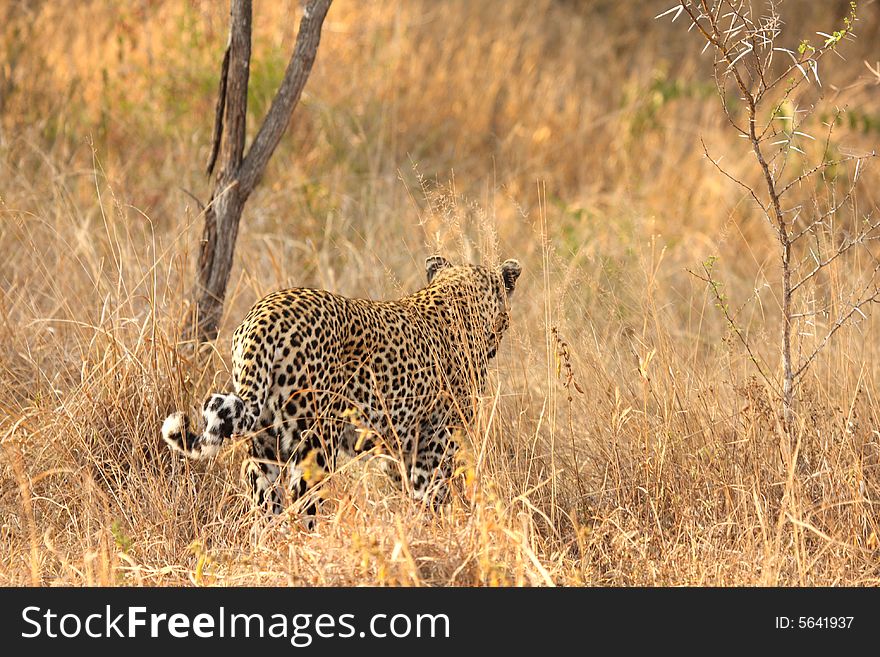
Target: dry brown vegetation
626 439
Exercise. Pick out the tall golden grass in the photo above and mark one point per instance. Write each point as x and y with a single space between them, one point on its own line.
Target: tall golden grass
625 439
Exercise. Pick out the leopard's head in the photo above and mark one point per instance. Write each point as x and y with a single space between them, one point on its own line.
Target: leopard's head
479 299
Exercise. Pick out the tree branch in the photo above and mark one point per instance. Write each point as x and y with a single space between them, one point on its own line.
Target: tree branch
287 97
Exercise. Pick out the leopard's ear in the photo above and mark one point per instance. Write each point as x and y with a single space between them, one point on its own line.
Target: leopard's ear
510 271
433 264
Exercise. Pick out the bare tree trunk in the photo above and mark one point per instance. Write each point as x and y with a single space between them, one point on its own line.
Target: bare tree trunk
239 173
224 210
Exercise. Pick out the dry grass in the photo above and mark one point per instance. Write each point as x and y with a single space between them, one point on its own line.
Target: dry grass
625 439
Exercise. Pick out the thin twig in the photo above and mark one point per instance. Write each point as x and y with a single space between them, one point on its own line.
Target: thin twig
734 179
841 250
841 321
713 285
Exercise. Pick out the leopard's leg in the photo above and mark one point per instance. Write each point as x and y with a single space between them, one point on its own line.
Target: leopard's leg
431 470
400 456
391 469
310 460
263 469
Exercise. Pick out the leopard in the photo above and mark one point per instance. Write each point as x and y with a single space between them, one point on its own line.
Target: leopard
317 375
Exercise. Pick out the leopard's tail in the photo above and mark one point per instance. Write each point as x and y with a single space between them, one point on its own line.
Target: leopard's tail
232 414
223 417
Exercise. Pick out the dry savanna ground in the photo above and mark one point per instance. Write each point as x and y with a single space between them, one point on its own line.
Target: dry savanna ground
627 436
